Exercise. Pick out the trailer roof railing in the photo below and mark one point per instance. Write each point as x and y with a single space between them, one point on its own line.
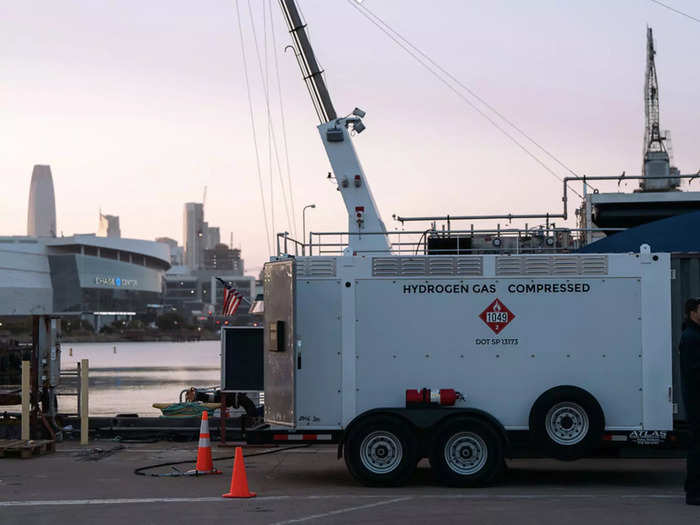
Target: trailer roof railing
452 242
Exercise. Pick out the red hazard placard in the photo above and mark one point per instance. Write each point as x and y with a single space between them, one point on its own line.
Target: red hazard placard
497 316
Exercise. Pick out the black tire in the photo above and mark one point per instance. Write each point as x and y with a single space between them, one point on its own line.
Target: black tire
466 452
566 423
381 451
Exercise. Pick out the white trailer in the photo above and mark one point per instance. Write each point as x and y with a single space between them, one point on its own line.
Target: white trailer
568 348
455 357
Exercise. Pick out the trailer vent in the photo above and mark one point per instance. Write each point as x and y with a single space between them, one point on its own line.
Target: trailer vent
508 266
536 265
565 265
413 265
386 266
552 265
441 266
594 264
423 266
470 266
315 267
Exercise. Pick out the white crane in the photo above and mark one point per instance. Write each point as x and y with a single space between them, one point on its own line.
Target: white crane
367 233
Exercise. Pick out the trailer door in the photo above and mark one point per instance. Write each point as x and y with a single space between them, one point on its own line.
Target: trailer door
279 296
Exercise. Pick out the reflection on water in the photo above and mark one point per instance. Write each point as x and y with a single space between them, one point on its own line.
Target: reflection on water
139 374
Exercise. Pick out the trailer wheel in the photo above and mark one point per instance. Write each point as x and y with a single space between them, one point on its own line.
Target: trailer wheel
466 452
567 423
381 451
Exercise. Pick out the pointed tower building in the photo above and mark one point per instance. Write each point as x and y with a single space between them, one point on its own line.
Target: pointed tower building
41 217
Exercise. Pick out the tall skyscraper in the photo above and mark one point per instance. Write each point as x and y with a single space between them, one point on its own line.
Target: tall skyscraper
213 237
109 226
41 217
193 234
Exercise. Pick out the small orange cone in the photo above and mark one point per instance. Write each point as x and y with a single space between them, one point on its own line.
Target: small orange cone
205 465
239 481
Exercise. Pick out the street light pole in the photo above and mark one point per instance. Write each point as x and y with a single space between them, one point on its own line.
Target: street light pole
303 221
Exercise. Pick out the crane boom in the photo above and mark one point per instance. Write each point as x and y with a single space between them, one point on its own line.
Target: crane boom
367 233
653 141
656 165
311 71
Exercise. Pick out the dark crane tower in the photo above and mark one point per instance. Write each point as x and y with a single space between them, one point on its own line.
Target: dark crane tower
653 141
656 163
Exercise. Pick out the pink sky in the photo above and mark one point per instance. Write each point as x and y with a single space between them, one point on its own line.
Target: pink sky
138 105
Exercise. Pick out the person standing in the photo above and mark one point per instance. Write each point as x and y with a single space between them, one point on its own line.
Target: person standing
690 383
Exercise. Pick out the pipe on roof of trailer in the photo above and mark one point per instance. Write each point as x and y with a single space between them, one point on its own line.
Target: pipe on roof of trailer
565 200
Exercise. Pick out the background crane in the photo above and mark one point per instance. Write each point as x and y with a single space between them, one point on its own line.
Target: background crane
656 161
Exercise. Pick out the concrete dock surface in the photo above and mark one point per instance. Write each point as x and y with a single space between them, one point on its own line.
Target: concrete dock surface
96 484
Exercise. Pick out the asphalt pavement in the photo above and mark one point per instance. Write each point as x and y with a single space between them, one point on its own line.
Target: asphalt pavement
96 484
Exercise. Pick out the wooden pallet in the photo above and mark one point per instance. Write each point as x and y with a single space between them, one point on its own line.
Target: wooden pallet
16 448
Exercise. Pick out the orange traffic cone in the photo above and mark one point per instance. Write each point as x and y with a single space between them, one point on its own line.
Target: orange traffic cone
239 481
205 465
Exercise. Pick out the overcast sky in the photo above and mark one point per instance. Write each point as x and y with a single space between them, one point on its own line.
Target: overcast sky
137 105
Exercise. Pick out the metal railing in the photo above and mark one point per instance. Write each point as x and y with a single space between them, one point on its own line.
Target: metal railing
547 239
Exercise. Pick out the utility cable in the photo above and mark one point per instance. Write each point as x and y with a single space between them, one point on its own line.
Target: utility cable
282 119
467 89
141 470
252 124
675 10
266 84
267 102
452 88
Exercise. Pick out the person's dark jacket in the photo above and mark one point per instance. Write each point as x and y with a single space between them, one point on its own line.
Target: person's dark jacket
690 370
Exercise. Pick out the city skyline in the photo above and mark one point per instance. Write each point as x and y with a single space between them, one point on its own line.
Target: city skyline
42 222
155 122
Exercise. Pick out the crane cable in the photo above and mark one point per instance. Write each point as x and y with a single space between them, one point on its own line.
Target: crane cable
252 124
473 94
282 120
267 102
675 10
409 48
266 87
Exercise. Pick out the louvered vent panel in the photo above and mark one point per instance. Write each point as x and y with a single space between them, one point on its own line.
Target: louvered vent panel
315 267
425 266
537 266
552 265
565 265
594 264
320 268
386 266
508 265
413 266
441 266
470 266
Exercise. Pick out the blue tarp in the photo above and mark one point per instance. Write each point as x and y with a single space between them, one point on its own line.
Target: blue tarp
675 234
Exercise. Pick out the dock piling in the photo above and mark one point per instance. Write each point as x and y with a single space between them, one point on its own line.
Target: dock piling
26 388
83 401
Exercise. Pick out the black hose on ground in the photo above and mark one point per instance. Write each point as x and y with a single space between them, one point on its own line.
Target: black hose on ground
140 471
244 401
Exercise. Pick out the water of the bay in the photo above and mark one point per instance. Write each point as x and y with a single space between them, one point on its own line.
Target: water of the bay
136 375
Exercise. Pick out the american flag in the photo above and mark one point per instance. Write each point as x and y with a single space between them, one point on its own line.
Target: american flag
232 299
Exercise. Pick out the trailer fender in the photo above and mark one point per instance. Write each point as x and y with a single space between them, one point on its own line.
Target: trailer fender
566 422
